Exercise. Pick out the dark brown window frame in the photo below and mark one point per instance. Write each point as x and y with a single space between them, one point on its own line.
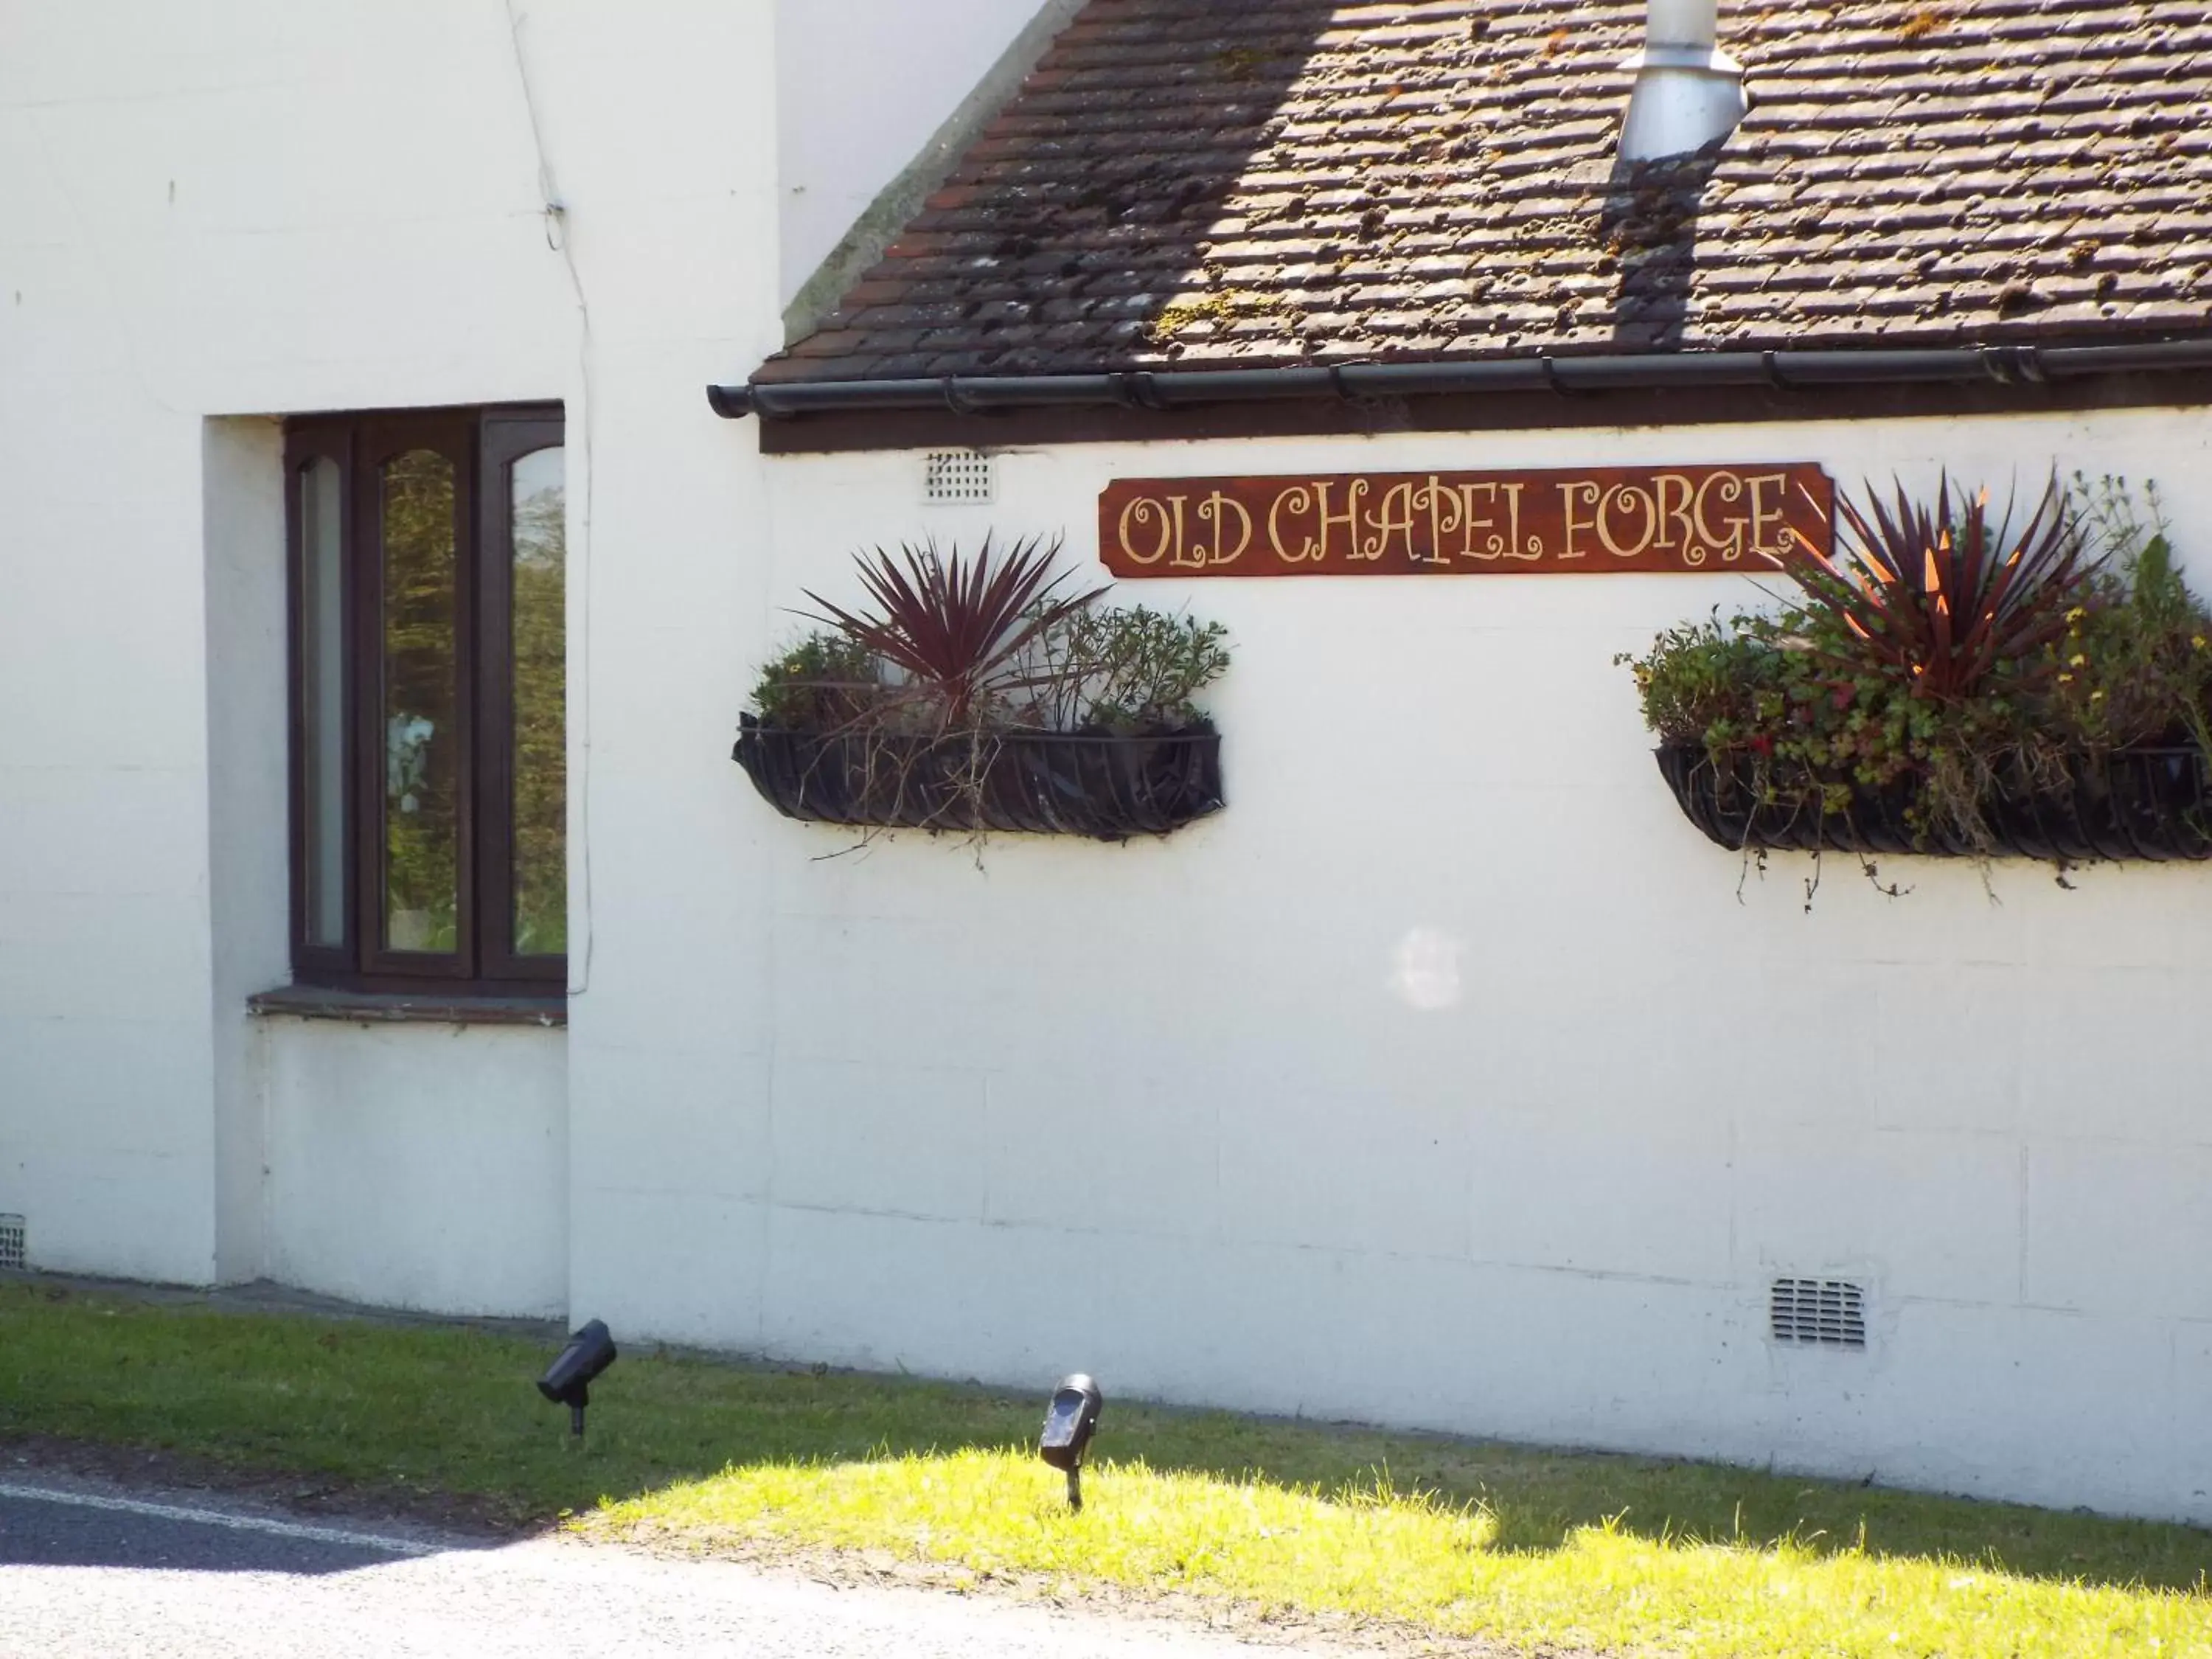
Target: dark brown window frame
480 444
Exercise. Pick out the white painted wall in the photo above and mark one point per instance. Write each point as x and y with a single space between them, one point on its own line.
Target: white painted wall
863 84
873 1110
1175 1112
419 1166
248 803
258 209
107 1122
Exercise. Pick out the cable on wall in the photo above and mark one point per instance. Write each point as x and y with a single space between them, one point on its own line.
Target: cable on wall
556 237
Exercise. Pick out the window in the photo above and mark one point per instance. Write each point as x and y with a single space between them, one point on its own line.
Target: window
428 746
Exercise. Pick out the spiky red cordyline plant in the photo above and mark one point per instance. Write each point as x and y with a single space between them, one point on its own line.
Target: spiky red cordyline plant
1944 601
954 624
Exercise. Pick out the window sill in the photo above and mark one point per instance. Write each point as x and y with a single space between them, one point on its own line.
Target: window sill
408 1008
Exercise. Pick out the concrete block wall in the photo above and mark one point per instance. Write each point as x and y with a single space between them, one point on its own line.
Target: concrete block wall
207 222
1447 1079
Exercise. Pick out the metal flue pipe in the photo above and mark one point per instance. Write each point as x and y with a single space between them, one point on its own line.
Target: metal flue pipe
1688 92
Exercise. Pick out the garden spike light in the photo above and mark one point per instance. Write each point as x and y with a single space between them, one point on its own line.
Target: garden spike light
568 1380
1069 1422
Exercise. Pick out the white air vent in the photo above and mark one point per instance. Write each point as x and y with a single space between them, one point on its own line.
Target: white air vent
1822 1313
958 475
12 1256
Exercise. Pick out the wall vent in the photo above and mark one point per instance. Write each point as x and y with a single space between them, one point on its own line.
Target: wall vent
1822 1313
13 1258
958 475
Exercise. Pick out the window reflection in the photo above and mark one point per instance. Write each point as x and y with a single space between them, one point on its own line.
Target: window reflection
421 726
538 500
322 714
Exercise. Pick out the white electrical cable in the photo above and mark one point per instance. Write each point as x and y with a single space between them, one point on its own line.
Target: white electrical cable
556 237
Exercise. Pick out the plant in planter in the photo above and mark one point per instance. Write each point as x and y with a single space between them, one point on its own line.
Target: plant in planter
1949 683
972 694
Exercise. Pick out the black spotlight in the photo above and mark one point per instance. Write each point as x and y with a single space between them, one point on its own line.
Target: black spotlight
567 1381
1069 1422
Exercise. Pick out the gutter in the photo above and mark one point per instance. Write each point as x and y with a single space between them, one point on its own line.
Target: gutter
1161 391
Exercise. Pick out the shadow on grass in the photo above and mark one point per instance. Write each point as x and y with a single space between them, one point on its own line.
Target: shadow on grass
412 1410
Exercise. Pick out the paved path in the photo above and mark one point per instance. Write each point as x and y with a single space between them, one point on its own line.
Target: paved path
90 1571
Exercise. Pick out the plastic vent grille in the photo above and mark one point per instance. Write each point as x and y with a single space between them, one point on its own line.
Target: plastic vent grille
12 1258
956 475
1821 1313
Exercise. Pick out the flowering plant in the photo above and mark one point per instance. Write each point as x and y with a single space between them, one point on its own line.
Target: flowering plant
1943 656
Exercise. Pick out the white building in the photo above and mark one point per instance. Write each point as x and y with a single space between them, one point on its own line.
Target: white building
1447 1078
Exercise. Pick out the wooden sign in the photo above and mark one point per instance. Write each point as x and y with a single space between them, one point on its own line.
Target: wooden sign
1406 524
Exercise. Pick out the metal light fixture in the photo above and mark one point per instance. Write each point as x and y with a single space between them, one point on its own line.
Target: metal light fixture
1069 1422
567 1381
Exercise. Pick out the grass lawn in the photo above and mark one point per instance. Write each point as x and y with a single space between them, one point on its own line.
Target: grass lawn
1447 1537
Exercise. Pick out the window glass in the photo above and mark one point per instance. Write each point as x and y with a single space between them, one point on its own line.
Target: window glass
428 759
421 705
322 713
538 497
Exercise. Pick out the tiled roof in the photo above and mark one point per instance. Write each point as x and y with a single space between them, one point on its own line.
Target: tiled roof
1200 184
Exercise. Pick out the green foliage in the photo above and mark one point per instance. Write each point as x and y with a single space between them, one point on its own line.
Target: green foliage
420 716
916 697
2136 662
539 623
1124 668
422 697
824 683
1704 682
1862 685
943 654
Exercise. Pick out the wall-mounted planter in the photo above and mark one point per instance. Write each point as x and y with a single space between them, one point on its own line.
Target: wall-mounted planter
1108 786
2133 803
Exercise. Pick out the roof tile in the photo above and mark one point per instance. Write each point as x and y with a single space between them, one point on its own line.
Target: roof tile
1277 181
